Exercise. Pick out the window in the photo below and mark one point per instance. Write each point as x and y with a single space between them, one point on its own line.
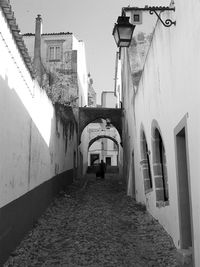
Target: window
136 17
145 162
108 161
54 53
160 169
51 53
58 54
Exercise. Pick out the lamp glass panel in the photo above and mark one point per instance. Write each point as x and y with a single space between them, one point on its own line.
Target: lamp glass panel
116 35
124 43
125 32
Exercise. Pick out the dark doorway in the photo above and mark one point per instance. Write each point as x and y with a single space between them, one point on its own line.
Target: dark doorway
162 164
183 191
108 161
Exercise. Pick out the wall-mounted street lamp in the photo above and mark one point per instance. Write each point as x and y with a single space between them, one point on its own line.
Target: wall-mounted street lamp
123 29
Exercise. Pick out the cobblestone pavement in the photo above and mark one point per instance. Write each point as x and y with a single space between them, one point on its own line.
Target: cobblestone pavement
98 226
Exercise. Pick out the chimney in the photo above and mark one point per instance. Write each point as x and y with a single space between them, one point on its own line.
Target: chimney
37 49
38 32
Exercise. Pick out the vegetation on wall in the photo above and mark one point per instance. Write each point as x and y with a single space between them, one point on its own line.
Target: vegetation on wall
66 116
61 87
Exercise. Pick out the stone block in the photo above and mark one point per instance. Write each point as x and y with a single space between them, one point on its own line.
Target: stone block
146 173
147 185
159 194
184 257
157 168
158 182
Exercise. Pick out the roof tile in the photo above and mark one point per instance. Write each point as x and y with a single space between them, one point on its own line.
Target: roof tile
9 15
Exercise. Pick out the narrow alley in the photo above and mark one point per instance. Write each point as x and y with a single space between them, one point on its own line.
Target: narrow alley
95 225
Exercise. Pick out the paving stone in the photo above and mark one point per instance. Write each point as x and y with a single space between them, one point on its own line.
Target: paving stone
97 226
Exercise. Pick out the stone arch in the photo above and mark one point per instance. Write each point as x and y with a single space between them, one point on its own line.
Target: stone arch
88 115
103 136
159 166
145 162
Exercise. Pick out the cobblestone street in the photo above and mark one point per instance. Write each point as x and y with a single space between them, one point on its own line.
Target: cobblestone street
97 226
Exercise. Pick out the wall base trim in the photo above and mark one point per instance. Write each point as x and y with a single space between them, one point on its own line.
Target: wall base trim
19 216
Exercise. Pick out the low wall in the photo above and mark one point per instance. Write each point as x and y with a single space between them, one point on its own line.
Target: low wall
19 216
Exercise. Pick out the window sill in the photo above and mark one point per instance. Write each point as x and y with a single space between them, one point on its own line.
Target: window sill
148 191
54 60
162 204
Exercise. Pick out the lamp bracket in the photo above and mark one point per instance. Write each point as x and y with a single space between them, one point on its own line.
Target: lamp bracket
152 10
167 22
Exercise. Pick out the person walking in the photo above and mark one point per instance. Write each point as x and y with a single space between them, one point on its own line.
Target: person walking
102 170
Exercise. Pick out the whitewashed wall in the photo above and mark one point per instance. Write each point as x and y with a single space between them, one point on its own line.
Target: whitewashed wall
31 149
108 99
168 91
79 46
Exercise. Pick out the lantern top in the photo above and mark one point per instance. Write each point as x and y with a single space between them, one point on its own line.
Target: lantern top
123 31
123 21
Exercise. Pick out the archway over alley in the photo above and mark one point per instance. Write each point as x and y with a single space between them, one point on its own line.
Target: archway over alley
88 115
100 137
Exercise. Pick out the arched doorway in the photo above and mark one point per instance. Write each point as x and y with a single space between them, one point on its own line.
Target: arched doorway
106 148
104 143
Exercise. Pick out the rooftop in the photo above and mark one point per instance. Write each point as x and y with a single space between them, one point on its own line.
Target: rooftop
9 15
45 34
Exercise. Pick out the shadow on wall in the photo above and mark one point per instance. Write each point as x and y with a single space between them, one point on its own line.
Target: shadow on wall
32 169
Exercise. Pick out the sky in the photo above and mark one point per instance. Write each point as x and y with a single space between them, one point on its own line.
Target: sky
89 20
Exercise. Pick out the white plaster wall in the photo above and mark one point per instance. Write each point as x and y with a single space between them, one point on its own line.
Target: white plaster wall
169 90
84 149
109 100
118 82
81 70
93 130
31 151
79 46
129 133
29 42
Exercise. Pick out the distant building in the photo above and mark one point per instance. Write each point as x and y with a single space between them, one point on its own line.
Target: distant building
106 149
60 63
63 57
108 99
91 92
103 148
